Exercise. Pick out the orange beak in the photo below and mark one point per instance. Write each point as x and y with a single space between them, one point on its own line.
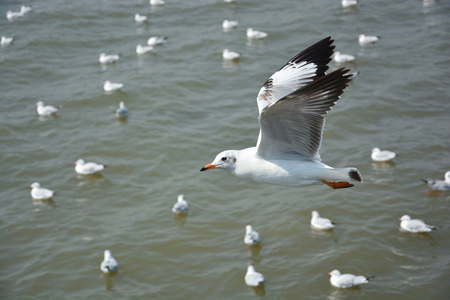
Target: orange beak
329 273
208 167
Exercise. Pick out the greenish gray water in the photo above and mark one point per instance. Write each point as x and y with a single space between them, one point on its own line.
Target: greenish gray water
185 106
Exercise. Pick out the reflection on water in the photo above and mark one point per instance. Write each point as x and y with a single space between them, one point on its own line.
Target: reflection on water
259 290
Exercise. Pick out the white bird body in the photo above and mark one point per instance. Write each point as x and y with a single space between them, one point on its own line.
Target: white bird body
230 55
439 185
343 58
143 49
367 39
230 1
253 278
181 206
108 59
320 223
157 2
111 86
348 3
255 34
251 237
109 264
156 40
287 151
122 111
25 9
39 193
6 41
347 280
87 168
415 225
46 110
228 24
382 155
140 18
12 15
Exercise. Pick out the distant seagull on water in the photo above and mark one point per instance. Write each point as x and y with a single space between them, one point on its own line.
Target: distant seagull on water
347 280
143 49
40 193
253 278
320 223
348 3
367 39
87 168
6 41
439 185
342 58
46 110
156 40
122 111
108 59
255 34
109 263
251 237
230 55
109 86
227 24
415 225
181 206
140 18
157 2
382 155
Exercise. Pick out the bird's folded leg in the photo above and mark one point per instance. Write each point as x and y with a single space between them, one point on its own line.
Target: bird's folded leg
338 184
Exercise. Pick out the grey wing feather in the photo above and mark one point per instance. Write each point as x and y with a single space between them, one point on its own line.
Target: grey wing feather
293 125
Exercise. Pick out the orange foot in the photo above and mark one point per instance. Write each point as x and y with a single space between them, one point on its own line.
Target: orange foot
338 184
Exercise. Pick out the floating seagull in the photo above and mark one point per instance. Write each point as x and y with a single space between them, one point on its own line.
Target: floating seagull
255 34
156 40
415 225
46 110
230 55
342 58
6 41
253 278
230 1
25 9
143 49
12 15
111 86
320 223
38 193
87 168
382 155
108 59
109 264
251 236
157 2
347 280
122 111
367 39
181 206
439 185
140 18
292 106
348 3
226 24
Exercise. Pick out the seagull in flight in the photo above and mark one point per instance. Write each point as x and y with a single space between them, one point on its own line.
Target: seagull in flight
292 106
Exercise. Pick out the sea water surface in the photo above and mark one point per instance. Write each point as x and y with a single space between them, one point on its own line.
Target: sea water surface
186 105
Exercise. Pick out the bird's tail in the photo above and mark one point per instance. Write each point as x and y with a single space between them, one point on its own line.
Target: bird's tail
433 227
370 278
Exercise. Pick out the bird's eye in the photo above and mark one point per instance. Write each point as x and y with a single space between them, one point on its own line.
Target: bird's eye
224 158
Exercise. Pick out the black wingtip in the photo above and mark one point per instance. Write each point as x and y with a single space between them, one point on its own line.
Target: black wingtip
370 278
424 180
354 174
